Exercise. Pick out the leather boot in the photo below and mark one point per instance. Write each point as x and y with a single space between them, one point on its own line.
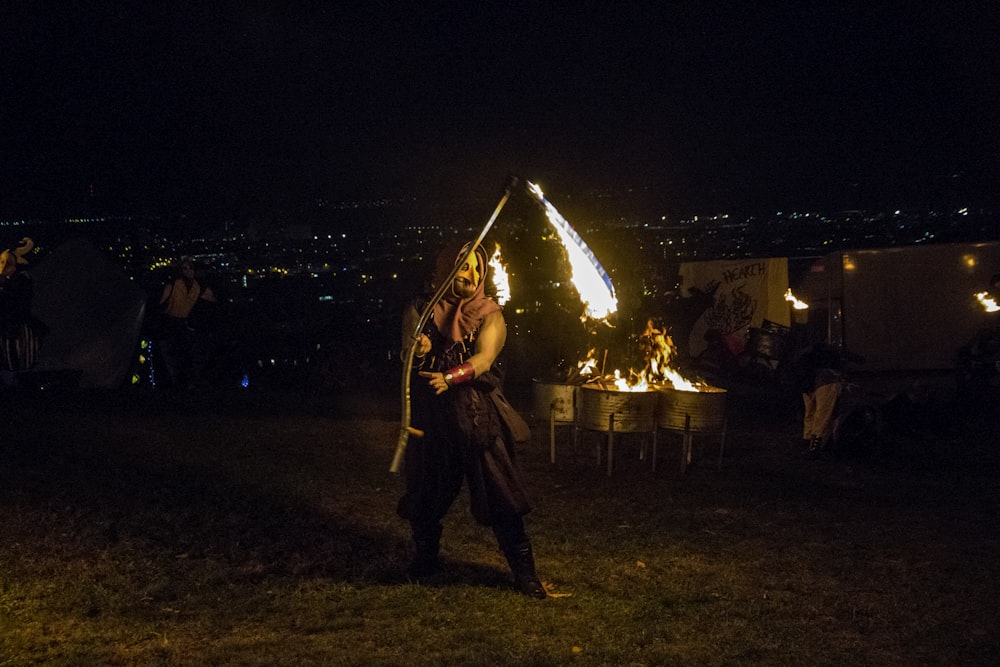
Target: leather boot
815 447
522 566
426 542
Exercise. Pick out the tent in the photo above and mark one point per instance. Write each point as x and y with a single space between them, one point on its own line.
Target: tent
93 312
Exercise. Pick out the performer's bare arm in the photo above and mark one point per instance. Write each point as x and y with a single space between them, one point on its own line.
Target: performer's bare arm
489 343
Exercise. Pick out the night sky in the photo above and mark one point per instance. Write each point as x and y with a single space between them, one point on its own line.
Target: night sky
240 108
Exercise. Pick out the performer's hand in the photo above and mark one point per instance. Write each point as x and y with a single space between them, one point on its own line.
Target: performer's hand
422 345
435 381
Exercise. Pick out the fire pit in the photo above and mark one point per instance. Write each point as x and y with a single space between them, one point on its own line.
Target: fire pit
555 402
614 411
697 411
626 411
692 412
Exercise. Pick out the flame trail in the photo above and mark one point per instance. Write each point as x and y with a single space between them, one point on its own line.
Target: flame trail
586 273
501 281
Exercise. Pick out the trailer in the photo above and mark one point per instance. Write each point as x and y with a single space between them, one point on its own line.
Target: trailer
903 308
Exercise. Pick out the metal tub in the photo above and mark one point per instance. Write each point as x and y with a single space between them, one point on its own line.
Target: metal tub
633 411
706 409
554 400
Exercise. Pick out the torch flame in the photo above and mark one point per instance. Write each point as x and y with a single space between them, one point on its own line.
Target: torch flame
500 278
989 303
796 304
586 273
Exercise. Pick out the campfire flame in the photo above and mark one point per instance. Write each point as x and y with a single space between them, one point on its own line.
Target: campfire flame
501 281
586 273
988 302
658 349
587 366
796 303
636 383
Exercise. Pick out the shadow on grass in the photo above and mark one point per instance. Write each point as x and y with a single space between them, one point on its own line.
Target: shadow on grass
84 472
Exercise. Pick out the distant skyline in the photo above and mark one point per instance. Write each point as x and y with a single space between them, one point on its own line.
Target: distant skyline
246 108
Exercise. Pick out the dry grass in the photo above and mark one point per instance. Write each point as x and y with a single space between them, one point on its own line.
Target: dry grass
147 529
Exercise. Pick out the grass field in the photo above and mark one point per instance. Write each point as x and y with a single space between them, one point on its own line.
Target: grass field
157 529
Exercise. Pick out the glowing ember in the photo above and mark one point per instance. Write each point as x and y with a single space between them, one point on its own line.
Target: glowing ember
500 278
586 273
796 304
989 303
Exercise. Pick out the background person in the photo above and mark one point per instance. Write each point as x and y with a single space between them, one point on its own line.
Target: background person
180 339
821 383
20 332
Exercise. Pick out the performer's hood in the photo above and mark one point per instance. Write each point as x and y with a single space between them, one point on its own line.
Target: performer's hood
457 317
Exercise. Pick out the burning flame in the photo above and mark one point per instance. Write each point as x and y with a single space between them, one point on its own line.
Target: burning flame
586 367
586 273
658 349
989 303
623 384
796 304
500 278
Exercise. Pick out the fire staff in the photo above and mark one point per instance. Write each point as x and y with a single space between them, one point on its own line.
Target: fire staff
469 429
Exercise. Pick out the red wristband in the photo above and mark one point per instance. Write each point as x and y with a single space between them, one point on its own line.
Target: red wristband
459 374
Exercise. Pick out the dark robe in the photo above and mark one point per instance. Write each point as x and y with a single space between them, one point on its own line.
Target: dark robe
465 439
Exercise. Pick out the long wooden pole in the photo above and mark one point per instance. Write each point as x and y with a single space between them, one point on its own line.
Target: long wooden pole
406 429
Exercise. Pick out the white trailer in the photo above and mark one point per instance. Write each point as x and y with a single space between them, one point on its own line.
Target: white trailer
906 308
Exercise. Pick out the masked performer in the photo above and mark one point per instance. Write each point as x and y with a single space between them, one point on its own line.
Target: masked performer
469 428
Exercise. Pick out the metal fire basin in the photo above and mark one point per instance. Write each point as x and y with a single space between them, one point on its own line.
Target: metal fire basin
633 411
553 400
612 411
692 413
555 403
706 409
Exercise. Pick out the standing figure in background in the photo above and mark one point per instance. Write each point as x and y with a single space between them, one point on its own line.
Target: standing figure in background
180 342
821 382
20 333
469 427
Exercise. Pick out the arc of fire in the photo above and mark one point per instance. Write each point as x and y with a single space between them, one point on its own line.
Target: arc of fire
588 276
